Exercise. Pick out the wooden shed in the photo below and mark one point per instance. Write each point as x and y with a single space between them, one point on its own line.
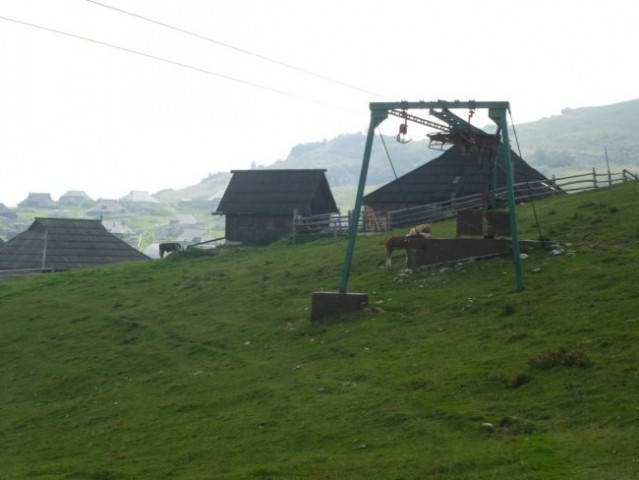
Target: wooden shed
65 244
454 174
260 205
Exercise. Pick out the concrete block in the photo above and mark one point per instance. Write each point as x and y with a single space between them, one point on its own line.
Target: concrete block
325 304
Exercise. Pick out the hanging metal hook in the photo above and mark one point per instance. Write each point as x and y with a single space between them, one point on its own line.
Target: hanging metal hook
403 130
471 112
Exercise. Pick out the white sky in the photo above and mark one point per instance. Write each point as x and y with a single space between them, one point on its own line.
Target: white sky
76 115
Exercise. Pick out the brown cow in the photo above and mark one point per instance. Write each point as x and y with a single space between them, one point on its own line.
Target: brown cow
399 243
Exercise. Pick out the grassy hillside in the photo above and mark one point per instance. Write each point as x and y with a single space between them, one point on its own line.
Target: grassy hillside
207 366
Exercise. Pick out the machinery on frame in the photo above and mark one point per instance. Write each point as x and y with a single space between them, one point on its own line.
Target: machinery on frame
453 130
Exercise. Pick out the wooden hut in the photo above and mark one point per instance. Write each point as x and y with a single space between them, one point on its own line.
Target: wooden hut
454 174
260 205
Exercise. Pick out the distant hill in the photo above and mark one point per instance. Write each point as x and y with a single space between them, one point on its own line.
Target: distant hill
208 189
560 145
342 158
576 140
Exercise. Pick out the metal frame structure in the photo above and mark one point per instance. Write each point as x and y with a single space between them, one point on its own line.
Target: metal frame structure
497 112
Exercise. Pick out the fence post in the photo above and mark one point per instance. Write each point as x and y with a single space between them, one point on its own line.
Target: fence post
594 179
294 223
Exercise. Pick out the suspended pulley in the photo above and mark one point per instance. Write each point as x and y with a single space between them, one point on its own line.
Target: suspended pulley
403 130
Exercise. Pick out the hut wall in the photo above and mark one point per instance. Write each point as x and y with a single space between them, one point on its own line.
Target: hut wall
257 229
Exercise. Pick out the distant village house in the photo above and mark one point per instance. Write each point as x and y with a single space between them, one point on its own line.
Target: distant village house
38 201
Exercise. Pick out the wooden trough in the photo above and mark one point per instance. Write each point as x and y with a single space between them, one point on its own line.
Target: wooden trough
424 252
488 224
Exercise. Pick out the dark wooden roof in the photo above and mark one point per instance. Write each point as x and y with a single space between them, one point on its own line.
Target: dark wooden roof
65 244
455 172
278 191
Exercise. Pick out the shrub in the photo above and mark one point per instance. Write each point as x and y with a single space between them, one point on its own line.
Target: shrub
516 426
521 379
564 357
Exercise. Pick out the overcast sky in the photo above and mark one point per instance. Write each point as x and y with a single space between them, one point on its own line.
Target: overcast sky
166 109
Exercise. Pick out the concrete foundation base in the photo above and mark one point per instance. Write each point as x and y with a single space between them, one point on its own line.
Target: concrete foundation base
327 304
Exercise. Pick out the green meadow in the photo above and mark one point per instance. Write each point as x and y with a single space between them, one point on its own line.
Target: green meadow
206 365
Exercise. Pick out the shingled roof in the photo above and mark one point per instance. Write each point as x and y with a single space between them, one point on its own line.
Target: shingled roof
65 244
455 172
138 196
38 200
76 198
106 207
278 191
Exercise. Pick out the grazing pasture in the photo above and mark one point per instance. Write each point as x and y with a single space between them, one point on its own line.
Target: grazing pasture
206 365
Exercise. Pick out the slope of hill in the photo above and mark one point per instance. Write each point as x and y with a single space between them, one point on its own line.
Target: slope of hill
207 366
342 158
208 189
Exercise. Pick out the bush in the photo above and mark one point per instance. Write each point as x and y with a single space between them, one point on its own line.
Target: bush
564 357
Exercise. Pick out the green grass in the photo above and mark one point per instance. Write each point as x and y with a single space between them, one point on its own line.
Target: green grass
207 366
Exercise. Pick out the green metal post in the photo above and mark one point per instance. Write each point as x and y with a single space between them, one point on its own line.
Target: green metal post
499 116
490 203
493 183
377 117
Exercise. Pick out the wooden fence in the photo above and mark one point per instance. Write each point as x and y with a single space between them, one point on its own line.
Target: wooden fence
334 224
323 224
524 192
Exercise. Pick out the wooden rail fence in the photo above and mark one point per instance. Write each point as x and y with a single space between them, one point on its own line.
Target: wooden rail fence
336 224
524 192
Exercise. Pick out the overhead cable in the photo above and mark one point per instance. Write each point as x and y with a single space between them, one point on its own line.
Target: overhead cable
179 64
238 49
